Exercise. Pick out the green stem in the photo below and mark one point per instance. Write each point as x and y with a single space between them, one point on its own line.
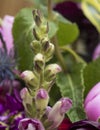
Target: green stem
75 55
54 39
41 78
49 9
59 55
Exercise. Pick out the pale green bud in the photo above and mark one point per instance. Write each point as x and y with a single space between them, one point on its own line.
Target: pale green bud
45 44
36 46
41 100
28 102
40 33
51 71
39 62
49 52
37 17
31 80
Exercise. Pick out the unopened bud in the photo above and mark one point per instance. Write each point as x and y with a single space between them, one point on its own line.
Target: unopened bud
40 33
49 52
30 79
39 62
27 100
41 100
51 71
59 109
37 17
36 46
45 44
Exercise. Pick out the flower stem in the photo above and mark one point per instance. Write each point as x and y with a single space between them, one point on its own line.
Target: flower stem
55 42
59 55
76 56
49 9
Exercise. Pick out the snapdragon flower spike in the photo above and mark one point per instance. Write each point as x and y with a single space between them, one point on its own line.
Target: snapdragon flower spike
60 108
41 100
30 124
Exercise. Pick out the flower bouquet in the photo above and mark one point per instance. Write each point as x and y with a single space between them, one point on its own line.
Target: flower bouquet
49 67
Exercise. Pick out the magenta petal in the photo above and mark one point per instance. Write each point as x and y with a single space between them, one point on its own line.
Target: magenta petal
93 93
93 108
6 30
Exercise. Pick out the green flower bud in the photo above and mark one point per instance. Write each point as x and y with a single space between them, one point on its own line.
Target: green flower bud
49 52
40 33
37 17
51 71
28 102
39 62
36 46
31 81
45 44
41 100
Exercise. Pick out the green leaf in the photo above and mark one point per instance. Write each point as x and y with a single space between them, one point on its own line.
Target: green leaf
91 75
22 32
91 9
68 32
55 94
53 28
71 86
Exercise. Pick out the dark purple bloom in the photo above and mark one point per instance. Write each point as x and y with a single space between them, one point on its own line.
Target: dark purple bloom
85 125
88 33
80 125
11 108
2 127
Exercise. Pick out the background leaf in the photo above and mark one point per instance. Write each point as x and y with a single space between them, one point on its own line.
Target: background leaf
71 86
22 32
91 75
67 32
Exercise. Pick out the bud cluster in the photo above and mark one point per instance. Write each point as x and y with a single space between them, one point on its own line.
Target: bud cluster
39 81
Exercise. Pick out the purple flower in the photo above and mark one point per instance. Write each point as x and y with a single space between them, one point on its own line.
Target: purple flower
92 103
30 124
80 125
85 125
6 32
